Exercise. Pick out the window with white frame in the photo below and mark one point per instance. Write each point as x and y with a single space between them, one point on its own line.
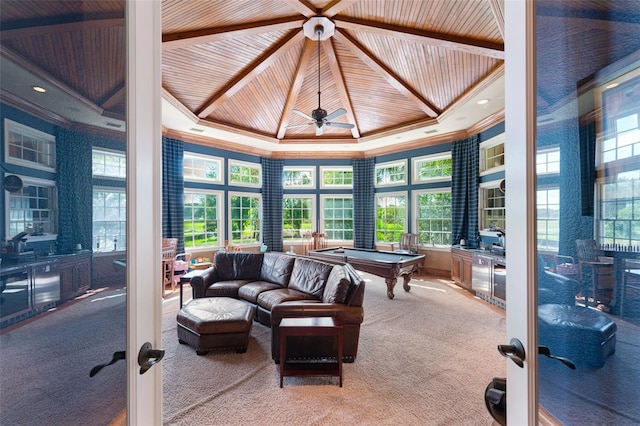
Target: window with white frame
337 217
32 207
109 219
432 168
245 174
336 177
548 218
492 154
618 209
29 147
433 217
298 177
391 216
391 173
548 161
492 206
202 218
111 164
244 218
297 216
624 141
203 168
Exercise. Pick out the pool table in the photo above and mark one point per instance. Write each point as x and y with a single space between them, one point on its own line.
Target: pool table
387 264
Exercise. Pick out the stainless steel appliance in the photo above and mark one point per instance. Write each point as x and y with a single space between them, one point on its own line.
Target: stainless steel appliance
499 279
481 274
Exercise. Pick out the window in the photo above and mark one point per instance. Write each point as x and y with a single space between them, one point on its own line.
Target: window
548 218
202 218
109 219
336 177
391 217
298 177
618 211
492 154
433 168
109 164
493 211
625 141
33 207
297 216
29 147
244 211
203 168
245 174
548 161
392 173
433 217
337 217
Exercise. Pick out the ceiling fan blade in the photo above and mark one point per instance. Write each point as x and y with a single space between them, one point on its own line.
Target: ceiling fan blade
334 114
308 117
341 125
319 131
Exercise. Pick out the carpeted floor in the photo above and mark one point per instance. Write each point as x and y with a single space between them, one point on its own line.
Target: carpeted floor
424 358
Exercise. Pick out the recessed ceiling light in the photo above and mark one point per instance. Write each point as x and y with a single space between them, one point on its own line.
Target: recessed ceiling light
483 101
612 85
39 89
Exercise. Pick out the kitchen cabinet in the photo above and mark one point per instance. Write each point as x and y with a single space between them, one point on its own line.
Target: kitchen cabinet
75 275
461 261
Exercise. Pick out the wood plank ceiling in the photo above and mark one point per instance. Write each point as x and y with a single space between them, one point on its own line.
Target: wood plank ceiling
246 65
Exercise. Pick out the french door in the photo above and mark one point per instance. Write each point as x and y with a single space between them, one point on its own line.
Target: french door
571 67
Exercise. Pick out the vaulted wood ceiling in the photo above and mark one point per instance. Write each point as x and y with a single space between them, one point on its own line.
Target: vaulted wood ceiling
244 66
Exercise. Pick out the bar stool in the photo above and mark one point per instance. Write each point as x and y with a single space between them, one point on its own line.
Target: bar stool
630 280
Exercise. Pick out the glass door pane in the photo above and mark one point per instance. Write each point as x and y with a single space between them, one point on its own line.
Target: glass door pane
588 214
63 282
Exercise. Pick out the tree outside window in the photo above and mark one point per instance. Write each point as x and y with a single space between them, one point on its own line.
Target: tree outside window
434 218
245 219
337 214
390 217
297 217
201 219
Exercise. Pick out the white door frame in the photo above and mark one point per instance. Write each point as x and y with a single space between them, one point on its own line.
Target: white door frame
144 207
520 174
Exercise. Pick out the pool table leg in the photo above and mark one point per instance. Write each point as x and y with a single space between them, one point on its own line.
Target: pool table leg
391 283
406 285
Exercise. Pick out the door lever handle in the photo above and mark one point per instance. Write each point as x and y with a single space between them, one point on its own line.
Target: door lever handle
543 350
514 351
117 356
148 357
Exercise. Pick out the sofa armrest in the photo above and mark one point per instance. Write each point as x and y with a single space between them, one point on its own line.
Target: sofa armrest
348 314
201 281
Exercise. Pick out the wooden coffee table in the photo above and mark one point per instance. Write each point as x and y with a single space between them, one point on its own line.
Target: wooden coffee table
310 326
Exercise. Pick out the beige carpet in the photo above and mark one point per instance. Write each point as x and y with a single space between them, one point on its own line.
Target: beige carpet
424 358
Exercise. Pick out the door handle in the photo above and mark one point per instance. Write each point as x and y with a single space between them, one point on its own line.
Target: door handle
117 356
148 357
543 350
514 351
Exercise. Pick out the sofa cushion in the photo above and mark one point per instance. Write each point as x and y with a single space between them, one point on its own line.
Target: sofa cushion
276 268
252 290
238 266
225 288
310 276
268 299
335 290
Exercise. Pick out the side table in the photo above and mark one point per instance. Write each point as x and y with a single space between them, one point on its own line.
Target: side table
310 326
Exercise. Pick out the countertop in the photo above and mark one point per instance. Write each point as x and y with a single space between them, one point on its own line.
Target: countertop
12 266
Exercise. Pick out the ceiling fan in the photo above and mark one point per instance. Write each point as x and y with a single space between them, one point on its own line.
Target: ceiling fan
319 117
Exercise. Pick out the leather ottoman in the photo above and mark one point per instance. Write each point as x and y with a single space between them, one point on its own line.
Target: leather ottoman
215 323
585 336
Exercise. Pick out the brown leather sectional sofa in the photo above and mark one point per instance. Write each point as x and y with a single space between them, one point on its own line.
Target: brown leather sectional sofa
281 285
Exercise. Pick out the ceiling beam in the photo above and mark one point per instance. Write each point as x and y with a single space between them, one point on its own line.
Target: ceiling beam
336 6
210 35
338 79
296 85
303 7
270 56
498 14
448 41
391 78
66 27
